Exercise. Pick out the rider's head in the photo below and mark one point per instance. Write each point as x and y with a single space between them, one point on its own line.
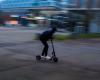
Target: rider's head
54 29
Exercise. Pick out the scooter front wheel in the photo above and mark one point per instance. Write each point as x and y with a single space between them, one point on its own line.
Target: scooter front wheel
55 59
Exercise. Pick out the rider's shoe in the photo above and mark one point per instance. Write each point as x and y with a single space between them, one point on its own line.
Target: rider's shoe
48 57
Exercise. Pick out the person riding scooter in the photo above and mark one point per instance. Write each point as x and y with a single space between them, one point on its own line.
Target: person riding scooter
44 37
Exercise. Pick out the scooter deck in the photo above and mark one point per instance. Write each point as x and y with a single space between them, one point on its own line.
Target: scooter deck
51 59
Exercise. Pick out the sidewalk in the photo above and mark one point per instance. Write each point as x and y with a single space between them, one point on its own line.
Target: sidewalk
6 28
21 34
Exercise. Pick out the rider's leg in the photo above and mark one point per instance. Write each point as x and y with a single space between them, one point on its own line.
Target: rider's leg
45 49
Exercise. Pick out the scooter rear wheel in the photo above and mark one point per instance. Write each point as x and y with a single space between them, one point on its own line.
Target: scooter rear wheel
38 57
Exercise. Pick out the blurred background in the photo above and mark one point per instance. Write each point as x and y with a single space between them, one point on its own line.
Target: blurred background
79 16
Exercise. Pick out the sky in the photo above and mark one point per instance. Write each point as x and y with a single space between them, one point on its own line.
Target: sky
1 0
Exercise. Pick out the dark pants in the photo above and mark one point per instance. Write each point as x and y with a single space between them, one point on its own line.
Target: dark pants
45 49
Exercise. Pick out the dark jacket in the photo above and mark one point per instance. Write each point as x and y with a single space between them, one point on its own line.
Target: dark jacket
46 35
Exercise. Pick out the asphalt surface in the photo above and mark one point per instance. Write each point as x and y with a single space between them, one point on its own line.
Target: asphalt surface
22 34
78 60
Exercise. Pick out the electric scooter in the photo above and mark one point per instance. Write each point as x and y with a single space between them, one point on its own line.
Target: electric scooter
53 58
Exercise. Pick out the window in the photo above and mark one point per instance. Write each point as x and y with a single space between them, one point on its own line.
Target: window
83 3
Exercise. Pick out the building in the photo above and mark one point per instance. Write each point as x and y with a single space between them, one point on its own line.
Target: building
95 22
90 9
22 5
82 4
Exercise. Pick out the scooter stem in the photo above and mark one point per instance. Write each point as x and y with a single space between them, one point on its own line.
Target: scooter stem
53 53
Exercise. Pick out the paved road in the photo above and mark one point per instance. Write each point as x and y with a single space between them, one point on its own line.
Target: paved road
78 60
16 35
